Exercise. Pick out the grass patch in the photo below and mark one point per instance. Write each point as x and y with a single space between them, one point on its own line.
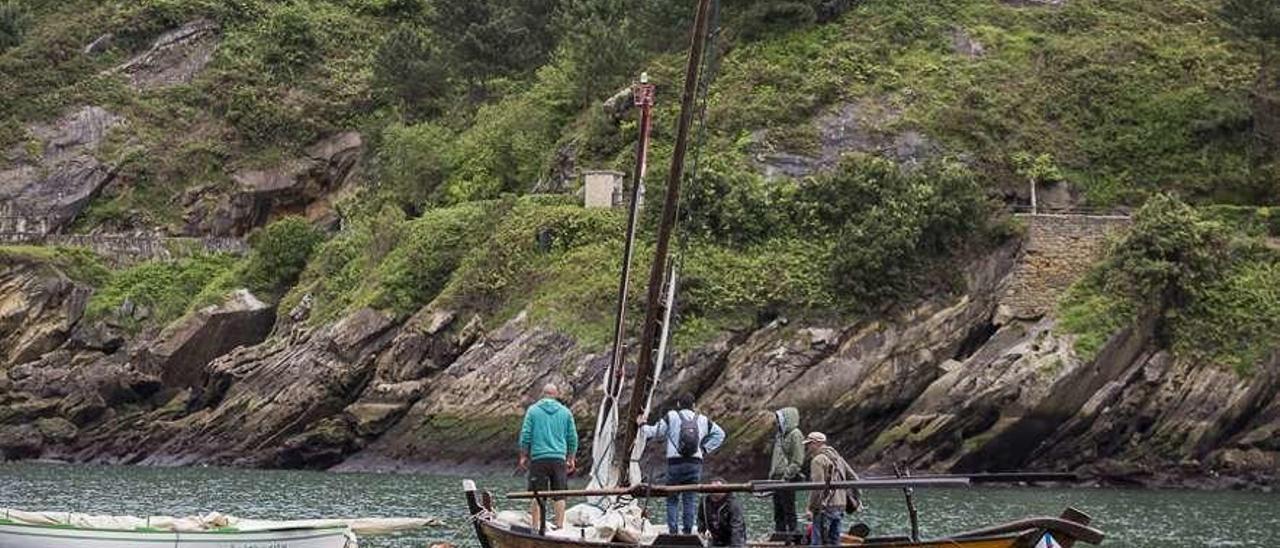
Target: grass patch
79 264
165 288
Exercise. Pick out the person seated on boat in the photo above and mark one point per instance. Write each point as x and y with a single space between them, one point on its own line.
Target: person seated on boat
786 464
827 506
720 517
689 436
549 437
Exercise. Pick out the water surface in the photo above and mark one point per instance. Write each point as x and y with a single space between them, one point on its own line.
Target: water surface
1135 518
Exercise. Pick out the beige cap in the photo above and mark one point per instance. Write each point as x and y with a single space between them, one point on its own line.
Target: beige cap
817 437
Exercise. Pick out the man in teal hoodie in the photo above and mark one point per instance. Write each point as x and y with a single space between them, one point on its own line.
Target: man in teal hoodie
550 438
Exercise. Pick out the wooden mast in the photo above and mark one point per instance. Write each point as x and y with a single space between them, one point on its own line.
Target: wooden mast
642 95
657 272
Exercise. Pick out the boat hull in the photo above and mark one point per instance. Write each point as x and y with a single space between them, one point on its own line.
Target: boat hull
493 535
43 536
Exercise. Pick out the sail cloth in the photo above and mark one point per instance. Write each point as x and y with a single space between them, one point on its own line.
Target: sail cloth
604 466
634 474
605 472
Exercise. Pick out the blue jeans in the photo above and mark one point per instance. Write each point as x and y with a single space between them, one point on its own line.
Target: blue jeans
682 473
826 527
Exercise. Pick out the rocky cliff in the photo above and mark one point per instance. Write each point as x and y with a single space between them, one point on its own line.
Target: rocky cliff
954 383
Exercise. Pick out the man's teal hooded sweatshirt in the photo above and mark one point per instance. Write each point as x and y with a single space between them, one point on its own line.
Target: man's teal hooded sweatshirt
548 431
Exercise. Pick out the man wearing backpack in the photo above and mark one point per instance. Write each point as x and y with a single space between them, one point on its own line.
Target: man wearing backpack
690 436
828 506
786 464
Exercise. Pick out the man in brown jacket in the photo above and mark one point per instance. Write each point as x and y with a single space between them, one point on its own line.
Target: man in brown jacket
827 506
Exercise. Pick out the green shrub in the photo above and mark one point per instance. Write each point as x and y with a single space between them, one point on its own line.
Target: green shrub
415 161
1168 254
509 262
737 206
280 252
427 255
291 39
505 149
1234 321
1215 294
894 224
165 288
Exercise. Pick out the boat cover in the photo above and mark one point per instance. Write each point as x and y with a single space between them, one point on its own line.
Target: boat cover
622 523
214 520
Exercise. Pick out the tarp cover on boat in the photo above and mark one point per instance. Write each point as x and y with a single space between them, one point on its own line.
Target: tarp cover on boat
215 520
622 523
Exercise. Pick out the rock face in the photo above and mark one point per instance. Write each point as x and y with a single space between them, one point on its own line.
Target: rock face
39 306
174 58
53 177
302 186
949 384
181 351
868 126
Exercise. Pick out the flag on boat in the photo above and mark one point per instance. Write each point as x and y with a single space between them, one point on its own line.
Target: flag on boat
1047 541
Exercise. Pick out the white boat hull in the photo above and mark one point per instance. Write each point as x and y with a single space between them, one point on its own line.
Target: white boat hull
41 536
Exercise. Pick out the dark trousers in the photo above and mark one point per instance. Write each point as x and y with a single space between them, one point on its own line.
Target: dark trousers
784 511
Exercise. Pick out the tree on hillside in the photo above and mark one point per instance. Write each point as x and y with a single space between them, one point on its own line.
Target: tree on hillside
488 38
1258 22
14 21
598 48
410 72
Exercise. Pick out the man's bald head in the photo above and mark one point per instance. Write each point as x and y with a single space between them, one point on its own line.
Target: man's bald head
550 390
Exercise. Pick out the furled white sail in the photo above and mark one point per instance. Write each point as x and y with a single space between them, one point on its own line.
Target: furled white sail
634 475
604 465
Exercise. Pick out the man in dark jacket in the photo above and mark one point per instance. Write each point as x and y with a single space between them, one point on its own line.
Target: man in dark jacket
720 516
786 465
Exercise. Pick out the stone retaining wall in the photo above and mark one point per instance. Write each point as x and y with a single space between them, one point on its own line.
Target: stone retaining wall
127 249
1059 249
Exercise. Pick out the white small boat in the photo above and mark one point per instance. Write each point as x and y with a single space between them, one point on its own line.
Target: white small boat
15 535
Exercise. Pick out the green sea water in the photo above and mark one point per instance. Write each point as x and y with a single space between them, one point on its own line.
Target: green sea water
1136 518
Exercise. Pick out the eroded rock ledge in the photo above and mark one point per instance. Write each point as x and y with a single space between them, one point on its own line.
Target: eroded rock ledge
948 385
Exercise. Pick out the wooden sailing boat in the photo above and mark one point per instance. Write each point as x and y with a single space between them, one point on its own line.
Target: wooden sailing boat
492 532
1034 532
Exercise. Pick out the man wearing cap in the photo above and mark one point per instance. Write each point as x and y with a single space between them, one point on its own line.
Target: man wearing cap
827 506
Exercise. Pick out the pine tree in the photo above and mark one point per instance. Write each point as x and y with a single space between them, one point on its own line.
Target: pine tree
1258 23
14 21
488 38
598 46
411 73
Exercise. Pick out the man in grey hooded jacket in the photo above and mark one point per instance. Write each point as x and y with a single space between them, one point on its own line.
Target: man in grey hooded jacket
786 465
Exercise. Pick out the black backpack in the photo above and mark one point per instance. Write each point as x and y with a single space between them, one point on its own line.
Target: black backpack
690 439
